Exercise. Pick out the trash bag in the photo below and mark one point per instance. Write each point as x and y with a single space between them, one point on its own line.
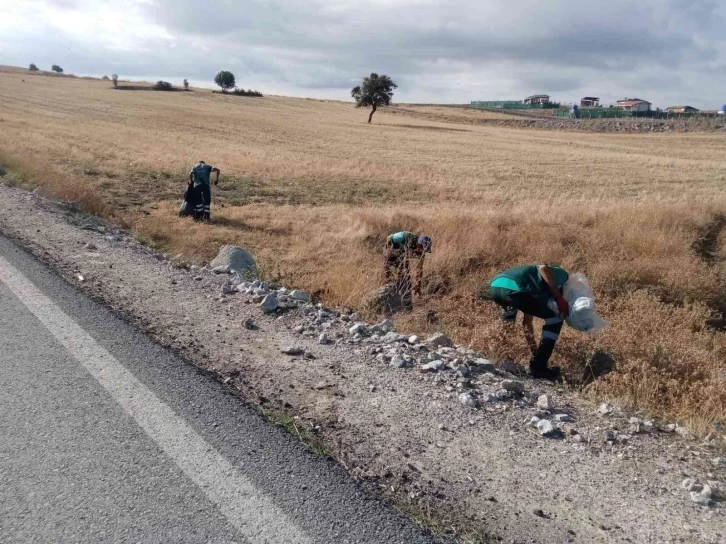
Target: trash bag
578 294
187 207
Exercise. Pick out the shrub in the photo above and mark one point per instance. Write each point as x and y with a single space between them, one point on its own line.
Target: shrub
114 78
57 69
33 67
186 85
105 78
248 92
225 80
163 86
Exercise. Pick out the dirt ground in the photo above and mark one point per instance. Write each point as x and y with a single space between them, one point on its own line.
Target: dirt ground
472 475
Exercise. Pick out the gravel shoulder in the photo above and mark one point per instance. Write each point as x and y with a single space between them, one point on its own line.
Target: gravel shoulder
406 433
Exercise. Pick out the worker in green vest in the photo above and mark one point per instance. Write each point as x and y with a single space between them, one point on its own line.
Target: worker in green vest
401 248
536 291
201 191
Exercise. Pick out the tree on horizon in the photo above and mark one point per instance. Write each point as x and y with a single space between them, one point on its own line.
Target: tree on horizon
225 80
375 91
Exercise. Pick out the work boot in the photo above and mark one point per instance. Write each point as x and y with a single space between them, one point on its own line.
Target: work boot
553 373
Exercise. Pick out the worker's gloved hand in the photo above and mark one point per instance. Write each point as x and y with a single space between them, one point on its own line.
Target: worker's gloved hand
562 306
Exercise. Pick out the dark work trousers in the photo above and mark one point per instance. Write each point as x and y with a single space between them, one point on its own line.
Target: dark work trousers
203 201
513 301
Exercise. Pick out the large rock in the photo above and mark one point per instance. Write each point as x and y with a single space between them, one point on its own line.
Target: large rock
236 259
484 365
358 328
439 340
269 303
388 300
300 295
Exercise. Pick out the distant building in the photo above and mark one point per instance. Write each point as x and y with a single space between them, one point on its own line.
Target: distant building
537 99
633 104
590 102
682 109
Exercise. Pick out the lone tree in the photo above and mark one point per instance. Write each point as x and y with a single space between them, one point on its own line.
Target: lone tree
33 67
186 85
225 80
114 78
57 69
375 91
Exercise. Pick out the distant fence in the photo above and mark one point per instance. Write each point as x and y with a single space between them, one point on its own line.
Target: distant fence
595 113
512 105
617 113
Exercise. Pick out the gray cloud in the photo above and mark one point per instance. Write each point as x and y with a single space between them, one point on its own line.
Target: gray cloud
437 50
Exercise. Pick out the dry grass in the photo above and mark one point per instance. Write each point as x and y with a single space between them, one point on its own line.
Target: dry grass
312 191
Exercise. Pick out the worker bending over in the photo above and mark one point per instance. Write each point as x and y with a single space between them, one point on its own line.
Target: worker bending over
534 290
400 249
201 190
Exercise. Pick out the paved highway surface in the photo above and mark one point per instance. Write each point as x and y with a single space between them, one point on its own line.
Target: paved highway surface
107 437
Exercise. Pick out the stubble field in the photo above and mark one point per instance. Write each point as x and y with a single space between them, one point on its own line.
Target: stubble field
312 191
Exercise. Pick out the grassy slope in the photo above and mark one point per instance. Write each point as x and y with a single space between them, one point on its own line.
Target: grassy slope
312 191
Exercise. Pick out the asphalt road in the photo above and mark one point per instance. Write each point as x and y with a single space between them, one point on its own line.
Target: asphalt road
107 437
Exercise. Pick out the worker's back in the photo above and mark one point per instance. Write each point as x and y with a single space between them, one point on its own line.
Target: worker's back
201 173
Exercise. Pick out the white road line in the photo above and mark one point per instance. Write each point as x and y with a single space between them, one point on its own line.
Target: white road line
251 512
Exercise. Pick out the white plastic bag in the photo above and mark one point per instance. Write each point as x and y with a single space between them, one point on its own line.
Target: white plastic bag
578 294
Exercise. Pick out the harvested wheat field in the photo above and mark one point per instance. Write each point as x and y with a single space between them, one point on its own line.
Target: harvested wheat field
312 191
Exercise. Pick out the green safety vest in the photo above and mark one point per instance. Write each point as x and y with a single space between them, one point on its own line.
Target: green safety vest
402 240
201 173
527 279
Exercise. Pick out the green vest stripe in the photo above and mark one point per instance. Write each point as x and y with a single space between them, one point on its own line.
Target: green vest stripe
505 283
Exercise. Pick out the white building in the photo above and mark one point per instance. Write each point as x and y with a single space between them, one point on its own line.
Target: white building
633 104
537 99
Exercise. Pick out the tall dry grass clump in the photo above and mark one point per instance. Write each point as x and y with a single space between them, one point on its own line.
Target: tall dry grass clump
48 180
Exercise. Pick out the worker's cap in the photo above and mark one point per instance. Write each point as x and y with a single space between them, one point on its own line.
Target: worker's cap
425 241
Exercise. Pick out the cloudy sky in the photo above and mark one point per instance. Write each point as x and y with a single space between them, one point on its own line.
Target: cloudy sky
450 51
